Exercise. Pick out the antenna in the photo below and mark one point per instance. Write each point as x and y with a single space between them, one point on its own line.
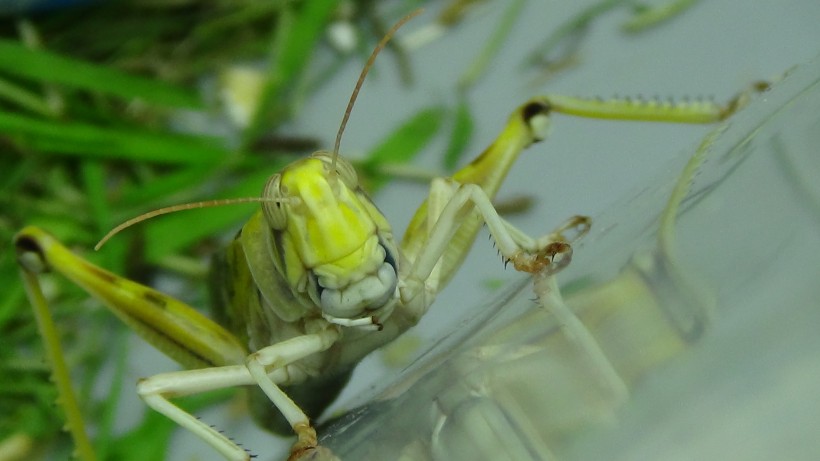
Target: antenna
234 201
181 207
362 76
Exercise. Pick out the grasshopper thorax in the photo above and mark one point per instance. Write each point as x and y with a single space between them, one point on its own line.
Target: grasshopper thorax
335 245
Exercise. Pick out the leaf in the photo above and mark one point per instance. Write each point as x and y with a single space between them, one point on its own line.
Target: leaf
159 188
403 144
135 144
461 135
174 232
296 37
49 67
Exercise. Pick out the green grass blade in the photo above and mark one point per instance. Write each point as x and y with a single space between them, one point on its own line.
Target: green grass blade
48 67
80 139
403 144
297 34
493 45
461 135
566 38
174 232
649 16
159 189
94 178
25 99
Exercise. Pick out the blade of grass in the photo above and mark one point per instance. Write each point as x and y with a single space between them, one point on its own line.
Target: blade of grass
462 133
80 139
403 144
93 176
94 182
296 36
12 297
493 45
647 17
237 18
48 67
160 188
25 99
569 31
177 231
13 174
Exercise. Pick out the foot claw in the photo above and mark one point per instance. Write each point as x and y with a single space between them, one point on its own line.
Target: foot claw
306 441
317 453
544 260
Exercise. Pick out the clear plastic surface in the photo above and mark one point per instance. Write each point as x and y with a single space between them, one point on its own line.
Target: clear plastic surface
704 305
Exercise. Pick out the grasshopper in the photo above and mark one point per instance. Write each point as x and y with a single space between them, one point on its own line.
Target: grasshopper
316 279
530 379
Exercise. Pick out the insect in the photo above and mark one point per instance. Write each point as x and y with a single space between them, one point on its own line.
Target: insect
533 379
317 279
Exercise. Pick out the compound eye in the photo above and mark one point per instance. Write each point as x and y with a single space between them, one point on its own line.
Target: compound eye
274 211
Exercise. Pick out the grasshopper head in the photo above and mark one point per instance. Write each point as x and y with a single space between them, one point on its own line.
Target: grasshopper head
335 245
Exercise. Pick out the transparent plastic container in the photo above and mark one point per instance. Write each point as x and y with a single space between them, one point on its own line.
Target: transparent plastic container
705 306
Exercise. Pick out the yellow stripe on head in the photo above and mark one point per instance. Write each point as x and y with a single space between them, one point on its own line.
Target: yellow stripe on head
327 222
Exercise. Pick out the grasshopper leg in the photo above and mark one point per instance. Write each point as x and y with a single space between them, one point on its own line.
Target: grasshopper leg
278 357
157 390
266 367
469 201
